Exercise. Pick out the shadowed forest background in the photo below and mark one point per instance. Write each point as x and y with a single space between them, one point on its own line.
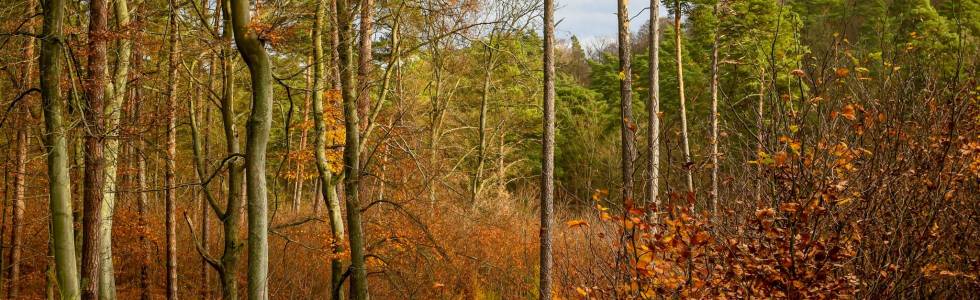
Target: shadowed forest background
334 149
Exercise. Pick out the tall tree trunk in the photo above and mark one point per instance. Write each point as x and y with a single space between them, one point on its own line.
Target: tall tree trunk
301 162
326 182
547 151
653 111
113 112
200 164
688 165
760 106
627 125
231 218
260 121
136 152
352 167
95 130
205 208
364 56
171 150
56 145
714 118
484 105
17 230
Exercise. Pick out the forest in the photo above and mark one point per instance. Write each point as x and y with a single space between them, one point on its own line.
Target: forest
462 149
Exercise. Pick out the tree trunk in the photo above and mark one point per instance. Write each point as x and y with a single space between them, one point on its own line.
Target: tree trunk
714 119
56 145
627 125
653 112
352 167
326 183
301 162
688 165
758 134
116 94
171 150
95 130
17 230
364 67
231 217
260 121
484 103
136 152
547 151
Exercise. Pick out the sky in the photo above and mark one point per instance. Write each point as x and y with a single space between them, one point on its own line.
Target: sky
594 21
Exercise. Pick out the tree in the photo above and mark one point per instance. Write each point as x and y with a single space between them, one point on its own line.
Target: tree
23 141
714 117
328 186
170 180
547 150
256 58
56 145
653 108
352 167
95 128
116 93
688 164
627 126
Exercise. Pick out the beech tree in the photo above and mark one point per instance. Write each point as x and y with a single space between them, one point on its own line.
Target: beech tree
56 145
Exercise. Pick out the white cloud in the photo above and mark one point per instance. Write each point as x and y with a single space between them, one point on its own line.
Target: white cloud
594 21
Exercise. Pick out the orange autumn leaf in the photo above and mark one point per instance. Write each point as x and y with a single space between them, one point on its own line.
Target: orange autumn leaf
576 223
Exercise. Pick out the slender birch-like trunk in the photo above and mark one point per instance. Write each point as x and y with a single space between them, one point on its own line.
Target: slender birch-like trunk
484 105
714 118
688 165
653 111
760 106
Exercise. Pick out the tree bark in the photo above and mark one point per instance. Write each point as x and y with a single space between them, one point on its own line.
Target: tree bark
352 167
714 118
364 56
142 203
301 163
688 165
253 52
547 151
17 230
484 105
56 145
231 218
653 112
113 112
170 180
627 125
760 106
95 130
326 184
